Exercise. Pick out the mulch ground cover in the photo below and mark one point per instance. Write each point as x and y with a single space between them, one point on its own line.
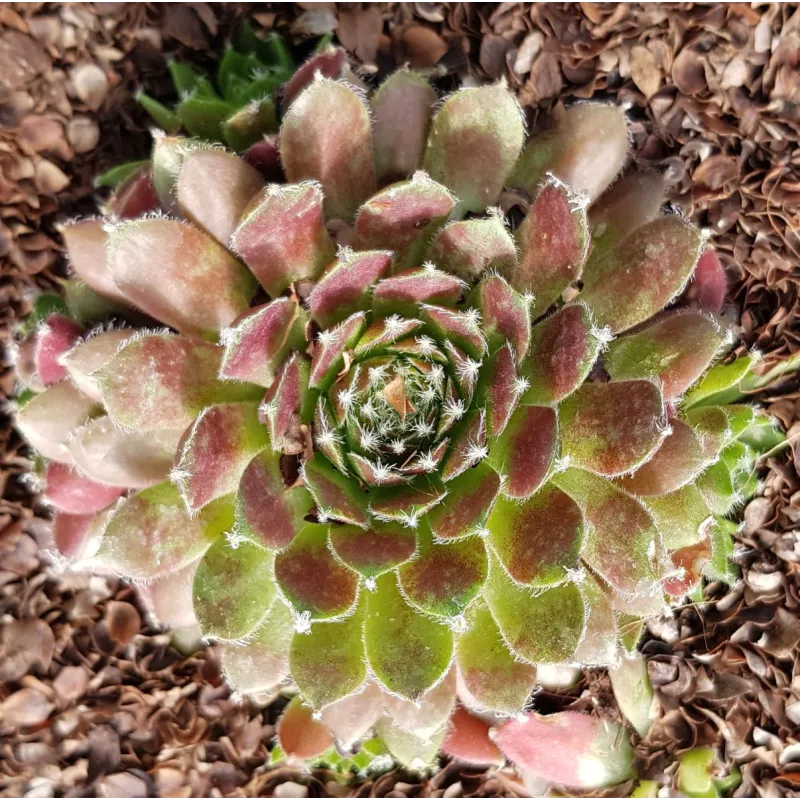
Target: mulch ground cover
93 700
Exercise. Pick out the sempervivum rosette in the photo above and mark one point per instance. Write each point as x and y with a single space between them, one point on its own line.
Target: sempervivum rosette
388 451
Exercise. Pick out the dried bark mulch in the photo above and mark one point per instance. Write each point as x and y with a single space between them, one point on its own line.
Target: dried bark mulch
93 700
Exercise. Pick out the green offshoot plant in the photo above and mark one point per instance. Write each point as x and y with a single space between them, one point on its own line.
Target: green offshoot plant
388 453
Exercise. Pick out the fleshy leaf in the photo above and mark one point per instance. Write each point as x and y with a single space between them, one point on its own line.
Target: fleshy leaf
720 384
352 717
621 540
89 356
287 406
384 332
215 451
410 750
327 662
541 626
266 511
688 564
505 315
525 452
300 734
568 748
77 536
612 428
261 663
55 337
258 341
468 445
402 217
129 459
465 509
458 327
403 292
675 350
312 579
494 678
86 247
159 381
553 241
406 504
709 285
68 491
170 597
710 425
407 651
678 461
720 566
682 517
564 347
426 714
282 236
345 286
474 142
178 274
50 418
337 496
599 644
638 276
443 579
150 533
586 149
469 248
214 188
401 113
233 589
373 551
330 348
468 740
537 540
326 137
717 488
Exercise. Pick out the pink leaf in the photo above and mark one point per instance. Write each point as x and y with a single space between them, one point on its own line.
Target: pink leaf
329 63
86 247
300 734
69 491
505 315
135 196
709 284
468 739
55 337
403 292
89 356
77 537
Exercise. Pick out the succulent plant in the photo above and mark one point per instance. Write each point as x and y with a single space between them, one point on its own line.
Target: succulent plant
389 451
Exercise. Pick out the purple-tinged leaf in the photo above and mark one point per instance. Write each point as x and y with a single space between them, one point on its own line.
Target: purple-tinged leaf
709 284
443 579
135 196
505 315
214 188
540 626
537 540
68 491
326 136
267 511
346 285
687 564
49 419
711 427
470 248
402 293
467 506
599 644
501 390
215 451
682 517
328 661
261 663
401 114
160 381
612 428
402 217
568 748
337 497
287 407
468 445
408 651
374 472
329 63
150 533
525 452
77 536
265 156
328 440
621 540
128 459
178 274
351 718
493 678
563 350
459 327
86 247
406 504
373 551
554 242
312 579
474 142
330 348
678 461
467 740
233 589
384 332
638 276
55 337
170 597
586 149
300 734
260 339
89 356
282 236
675 350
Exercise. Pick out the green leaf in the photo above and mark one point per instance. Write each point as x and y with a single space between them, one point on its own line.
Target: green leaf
203 117
719 385
113 177
681 516
166 119
721 567
184 78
